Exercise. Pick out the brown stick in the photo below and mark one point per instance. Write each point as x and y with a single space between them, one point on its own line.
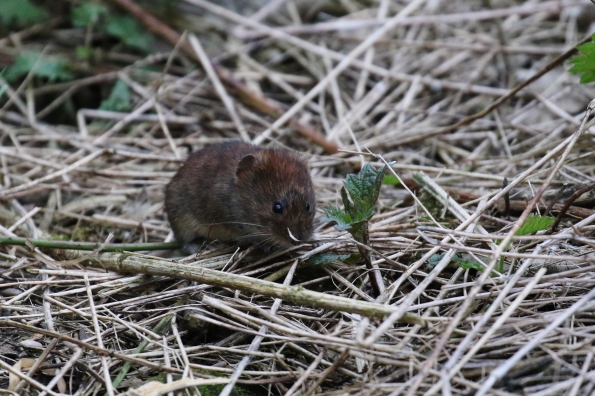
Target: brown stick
248 97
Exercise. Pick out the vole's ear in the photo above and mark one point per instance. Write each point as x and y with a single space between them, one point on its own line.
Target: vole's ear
247 164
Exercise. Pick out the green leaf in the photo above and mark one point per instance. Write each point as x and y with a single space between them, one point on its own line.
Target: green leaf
345 221
346 201
535 223
390 180
586 49
468 264
88 14
338 215
461 262
364 188
50 67
359 195
584 63
130 31
327 258
119 98
587 77
21 13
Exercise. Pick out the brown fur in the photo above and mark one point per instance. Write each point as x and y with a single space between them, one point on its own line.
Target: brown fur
226 192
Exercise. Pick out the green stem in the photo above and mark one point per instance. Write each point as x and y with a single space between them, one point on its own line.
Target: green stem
109 247
366 257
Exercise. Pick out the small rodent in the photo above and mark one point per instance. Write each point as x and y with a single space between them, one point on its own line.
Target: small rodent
238 192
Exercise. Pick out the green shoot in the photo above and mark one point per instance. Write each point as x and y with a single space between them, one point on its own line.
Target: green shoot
359 195
533 224
390 180
464 263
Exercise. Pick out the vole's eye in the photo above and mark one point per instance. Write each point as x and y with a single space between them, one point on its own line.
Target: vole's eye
278 208
307 207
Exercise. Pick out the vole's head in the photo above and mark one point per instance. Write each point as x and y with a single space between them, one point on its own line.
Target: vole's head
276 197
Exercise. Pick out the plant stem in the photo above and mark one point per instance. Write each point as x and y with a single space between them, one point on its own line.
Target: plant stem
373 273
108 247
141 264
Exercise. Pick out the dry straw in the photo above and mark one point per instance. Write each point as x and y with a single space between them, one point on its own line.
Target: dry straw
472 107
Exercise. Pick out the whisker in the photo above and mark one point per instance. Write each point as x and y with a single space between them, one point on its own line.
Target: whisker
265 240
231 222
265 243
254 235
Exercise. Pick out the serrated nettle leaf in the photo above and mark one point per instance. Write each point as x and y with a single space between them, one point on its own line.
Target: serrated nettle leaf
346 221
338 215
364 187
587 77
359 194
582 63
587 48
578 69
363 190
378 182
346 202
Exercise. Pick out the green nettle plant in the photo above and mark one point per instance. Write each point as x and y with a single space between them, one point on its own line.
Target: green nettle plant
584 63
359 195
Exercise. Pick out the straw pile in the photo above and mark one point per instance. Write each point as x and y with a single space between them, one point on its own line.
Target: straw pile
488 311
